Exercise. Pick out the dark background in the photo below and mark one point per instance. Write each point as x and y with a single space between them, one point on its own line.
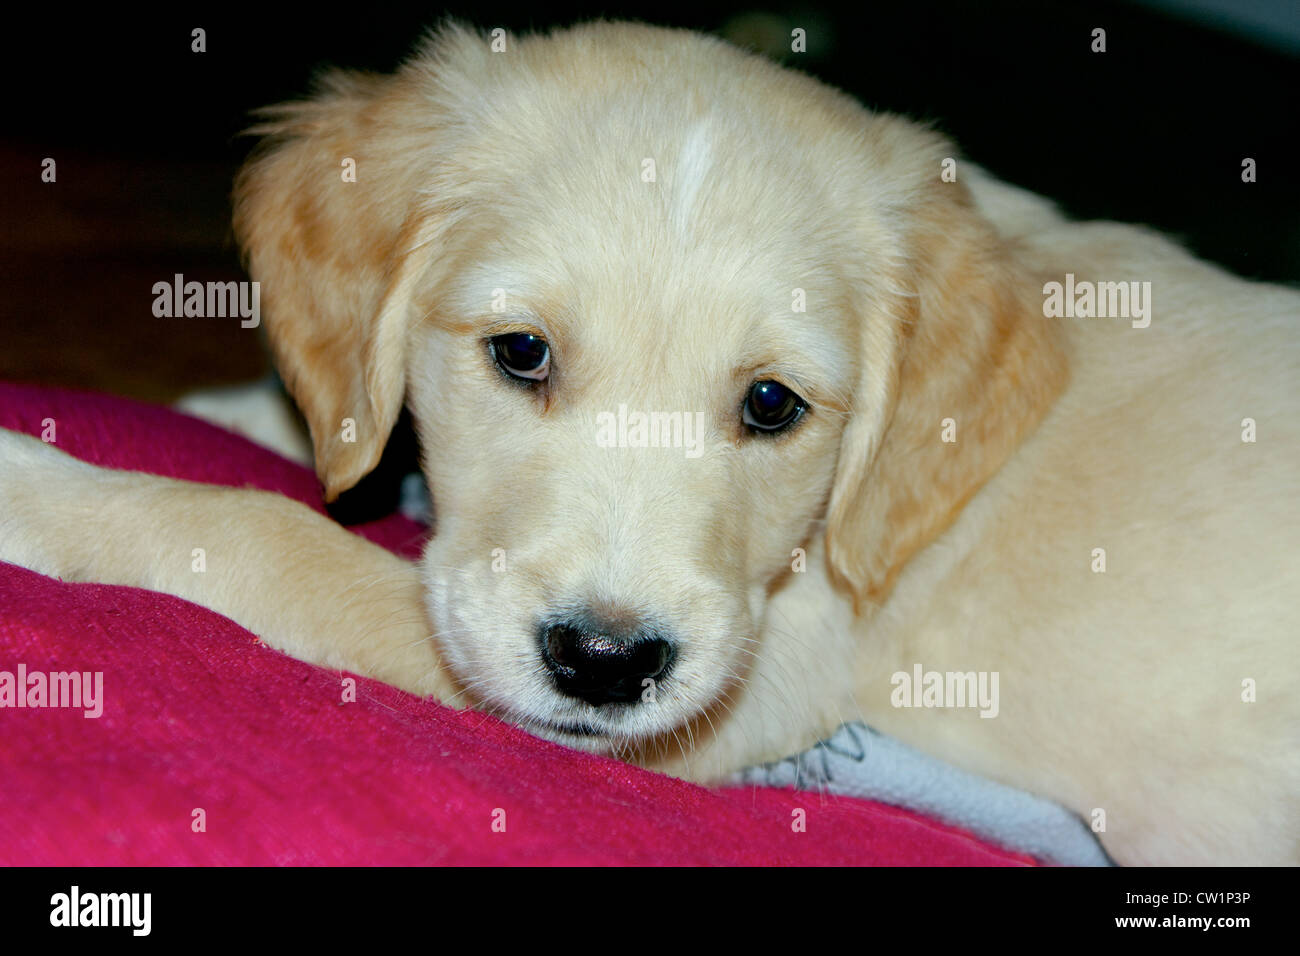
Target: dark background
145 134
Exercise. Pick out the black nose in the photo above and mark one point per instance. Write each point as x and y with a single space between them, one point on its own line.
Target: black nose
603 664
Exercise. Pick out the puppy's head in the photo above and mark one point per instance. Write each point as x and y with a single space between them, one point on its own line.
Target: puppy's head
664 313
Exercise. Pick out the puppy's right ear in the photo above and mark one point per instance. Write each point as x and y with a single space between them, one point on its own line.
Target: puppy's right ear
328 215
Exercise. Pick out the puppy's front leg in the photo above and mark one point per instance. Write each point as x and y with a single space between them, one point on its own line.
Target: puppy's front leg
296 579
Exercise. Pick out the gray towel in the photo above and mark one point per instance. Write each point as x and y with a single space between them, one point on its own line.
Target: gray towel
857 761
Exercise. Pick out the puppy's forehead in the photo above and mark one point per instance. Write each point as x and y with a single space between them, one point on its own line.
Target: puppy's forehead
667 202
708 217
654 127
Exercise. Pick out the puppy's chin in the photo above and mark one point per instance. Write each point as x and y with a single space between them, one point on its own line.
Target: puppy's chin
620 734
597 734
575 736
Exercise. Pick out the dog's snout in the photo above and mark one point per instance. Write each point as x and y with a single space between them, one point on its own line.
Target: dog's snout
603 665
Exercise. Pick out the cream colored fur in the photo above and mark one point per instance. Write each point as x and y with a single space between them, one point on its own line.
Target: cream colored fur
522 171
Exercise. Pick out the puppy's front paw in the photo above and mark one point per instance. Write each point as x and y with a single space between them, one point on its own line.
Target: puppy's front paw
43 494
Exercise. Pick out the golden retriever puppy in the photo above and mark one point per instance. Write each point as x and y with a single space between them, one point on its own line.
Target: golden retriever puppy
746 412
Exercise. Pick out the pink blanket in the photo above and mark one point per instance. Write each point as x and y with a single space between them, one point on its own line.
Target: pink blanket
214 749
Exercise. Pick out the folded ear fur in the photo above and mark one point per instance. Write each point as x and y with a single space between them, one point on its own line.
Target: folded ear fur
339 257
967 341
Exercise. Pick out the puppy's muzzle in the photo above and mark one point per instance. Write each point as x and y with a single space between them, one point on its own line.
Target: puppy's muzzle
602 663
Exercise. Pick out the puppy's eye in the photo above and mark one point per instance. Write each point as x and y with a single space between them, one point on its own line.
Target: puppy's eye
771 407
522 355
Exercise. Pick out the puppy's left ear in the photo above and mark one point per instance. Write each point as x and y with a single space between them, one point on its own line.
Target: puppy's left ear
963 338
